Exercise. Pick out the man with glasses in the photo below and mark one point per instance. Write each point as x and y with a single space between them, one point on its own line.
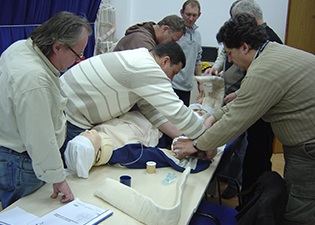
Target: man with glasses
280 92
80 56
33 125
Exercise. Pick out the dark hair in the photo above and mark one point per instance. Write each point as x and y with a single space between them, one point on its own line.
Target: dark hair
175 23
243 28
63 27
171 49
193 3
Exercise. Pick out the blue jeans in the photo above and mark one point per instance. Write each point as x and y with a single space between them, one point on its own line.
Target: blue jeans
17 177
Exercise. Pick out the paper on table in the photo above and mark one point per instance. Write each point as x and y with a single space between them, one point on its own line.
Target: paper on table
16 216
75 212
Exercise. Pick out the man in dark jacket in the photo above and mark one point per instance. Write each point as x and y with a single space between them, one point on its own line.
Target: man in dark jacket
150 34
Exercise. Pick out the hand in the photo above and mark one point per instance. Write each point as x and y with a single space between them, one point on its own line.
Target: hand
208 155
209 122
211 71
183 148
63 188
230 97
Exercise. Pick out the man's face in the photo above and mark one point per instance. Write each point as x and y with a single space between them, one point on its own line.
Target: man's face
238 56
66 56
171 70
190 15
169 35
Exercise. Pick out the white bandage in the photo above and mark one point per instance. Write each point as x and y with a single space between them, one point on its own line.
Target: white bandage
79 156
142 207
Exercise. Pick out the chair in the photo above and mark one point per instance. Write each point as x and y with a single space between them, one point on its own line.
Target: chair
217 214
209 54
229 150
209 213
265 204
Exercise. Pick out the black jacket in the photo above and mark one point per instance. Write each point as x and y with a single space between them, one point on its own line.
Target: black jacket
264 202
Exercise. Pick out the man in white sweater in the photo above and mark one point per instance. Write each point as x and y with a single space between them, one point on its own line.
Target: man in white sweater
31 107
106 86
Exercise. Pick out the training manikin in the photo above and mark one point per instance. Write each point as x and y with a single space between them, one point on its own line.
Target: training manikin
95 147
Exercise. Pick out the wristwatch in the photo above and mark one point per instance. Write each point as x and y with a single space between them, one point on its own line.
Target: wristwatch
194 144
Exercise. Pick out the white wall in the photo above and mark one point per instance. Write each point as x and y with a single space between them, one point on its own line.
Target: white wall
213 14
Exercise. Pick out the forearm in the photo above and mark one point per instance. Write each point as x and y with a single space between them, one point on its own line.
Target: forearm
198 70
219 62
170 130
209 121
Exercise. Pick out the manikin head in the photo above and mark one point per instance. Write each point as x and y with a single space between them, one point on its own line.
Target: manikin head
81 152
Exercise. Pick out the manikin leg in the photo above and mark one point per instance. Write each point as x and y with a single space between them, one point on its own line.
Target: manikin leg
213 87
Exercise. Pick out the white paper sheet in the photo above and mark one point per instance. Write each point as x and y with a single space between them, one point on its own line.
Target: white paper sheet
75 212
16 216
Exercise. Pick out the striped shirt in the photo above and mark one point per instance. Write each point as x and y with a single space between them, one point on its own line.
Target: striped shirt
106 86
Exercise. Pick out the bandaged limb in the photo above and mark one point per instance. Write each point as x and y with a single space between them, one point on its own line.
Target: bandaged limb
211 97
213 87
140 206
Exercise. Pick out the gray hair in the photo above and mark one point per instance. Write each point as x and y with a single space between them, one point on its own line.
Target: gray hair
175 23
64 27
247 6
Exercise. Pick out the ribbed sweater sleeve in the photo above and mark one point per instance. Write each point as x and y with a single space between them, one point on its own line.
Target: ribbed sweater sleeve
276 88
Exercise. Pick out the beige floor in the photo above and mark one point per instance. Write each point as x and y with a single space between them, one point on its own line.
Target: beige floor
277 165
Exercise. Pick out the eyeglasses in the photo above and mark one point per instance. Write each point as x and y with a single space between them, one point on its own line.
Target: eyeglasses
80 56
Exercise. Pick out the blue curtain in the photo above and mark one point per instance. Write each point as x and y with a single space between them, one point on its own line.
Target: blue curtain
19 17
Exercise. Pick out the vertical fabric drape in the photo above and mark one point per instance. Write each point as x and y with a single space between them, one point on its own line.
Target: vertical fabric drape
19 17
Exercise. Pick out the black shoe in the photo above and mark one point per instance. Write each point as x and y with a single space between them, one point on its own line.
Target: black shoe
228 193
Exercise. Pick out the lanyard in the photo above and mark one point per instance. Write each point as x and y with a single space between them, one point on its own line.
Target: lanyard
261 49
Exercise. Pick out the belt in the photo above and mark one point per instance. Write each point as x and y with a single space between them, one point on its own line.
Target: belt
13 152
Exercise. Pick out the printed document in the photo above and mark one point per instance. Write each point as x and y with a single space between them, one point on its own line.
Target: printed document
76 213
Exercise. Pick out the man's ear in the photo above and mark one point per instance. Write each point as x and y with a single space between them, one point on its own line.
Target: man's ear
165 27
246 47
165 59
181 12
56 47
